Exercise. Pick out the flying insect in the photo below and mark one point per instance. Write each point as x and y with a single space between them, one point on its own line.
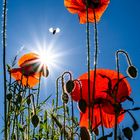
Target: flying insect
54 30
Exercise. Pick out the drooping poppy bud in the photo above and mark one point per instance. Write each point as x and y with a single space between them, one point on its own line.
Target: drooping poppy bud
127 132
69 86
84 134
132 72
45 73
65 98
82 105
28 101
135 126
19 99
35 120
9 96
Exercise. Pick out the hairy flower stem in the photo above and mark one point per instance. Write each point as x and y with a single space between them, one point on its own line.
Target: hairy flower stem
38 89
9 110
64 109
17 128
4 63
72 109
57 82
101 120
88 64
118 71
28 130
95 62
115 100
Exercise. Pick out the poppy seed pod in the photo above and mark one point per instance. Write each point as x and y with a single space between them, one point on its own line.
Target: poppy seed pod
65 98
84 134
132 72
82 105
69 86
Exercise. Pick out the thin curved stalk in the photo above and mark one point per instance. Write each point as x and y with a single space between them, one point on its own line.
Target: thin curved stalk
118 71
126 55
116 116
64 104
4 63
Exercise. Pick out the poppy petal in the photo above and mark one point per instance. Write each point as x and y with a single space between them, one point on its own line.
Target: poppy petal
31 80
79 7
124 88
27 58
108 120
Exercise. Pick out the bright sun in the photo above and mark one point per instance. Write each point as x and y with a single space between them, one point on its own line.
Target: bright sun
49 55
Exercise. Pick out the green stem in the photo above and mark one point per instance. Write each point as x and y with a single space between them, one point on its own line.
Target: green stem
101 120
126 55
38 90
17 128
28 133
4 63
72 109
8 119
88 64
115 94
95 62
57 82
64 108
118 71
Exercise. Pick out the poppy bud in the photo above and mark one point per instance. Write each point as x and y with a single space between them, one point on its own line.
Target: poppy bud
69 86
19 99
45 72
35 120
132 72
28 101
65 98
127 132
84 134
13 137
9 96
135 126
82 105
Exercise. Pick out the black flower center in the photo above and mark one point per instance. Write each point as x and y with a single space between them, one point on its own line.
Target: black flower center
92 3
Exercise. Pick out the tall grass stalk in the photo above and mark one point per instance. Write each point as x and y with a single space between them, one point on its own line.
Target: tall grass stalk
4 63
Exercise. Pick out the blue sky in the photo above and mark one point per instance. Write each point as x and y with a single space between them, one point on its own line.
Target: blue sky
28 23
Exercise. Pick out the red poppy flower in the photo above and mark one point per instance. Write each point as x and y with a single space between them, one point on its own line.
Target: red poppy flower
79 7
106 81
30 69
